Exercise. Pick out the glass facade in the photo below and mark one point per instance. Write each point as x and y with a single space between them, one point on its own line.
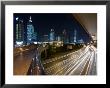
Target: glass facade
75 33
52 35
31 35
65 37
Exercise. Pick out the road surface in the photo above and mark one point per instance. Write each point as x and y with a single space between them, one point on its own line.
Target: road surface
27 62
81 62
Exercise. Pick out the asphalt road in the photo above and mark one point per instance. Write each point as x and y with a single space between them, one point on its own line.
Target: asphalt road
25 61
81 62
22 62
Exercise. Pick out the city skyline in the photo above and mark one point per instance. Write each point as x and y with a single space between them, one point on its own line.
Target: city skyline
81 34
52 44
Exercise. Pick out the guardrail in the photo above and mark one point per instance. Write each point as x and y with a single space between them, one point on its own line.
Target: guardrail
36 66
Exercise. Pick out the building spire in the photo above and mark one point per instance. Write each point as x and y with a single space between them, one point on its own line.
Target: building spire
30 20
17 18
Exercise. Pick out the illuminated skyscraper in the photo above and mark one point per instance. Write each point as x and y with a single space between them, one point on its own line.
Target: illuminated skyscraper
58 38
30 32
52 35
19 31
65 37
34 38
75 34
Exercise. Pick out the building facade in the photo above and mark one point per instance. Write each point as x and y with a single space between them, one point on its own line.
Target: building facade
45 38
31 35
19 38
75 35
52 35
65 38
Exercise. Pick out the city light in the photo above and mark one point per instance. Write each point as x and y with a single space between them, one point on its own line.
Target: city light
35 42
52 44
17 18
19 43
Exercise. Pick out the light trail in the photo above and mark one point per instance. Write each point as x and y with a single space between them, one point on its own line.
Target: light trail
81 62
62 64
56 58
78 63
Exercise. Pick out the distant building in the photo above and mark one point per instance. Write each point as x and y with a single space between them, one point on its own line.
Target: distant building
58 38
80 41
75 35
45 38
65 37
31 35
19 38
52 35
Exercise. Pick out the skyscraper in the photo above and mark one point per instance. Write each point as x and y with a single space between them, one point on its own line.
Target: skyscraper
58 38
75 35
34 38
19 31
30 32
65 37
52 35
45 38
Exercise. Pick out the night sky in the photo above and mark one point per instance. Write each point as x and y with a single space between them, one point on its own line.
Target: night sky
44 22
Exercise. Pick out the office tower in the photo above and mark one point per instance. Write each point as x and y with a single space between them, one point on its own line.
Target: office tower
30 32
34 38
45 38
19 31
75 35
65 37
58 38
52 35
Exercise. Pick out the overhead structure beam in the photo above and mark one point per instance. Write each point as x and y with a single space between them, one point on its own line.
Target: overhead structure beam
89 23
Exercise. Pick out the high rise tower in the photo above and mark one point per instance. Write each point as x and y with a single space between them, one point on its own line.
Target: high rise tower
75 35
19 31
52 35
30 32
65 37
